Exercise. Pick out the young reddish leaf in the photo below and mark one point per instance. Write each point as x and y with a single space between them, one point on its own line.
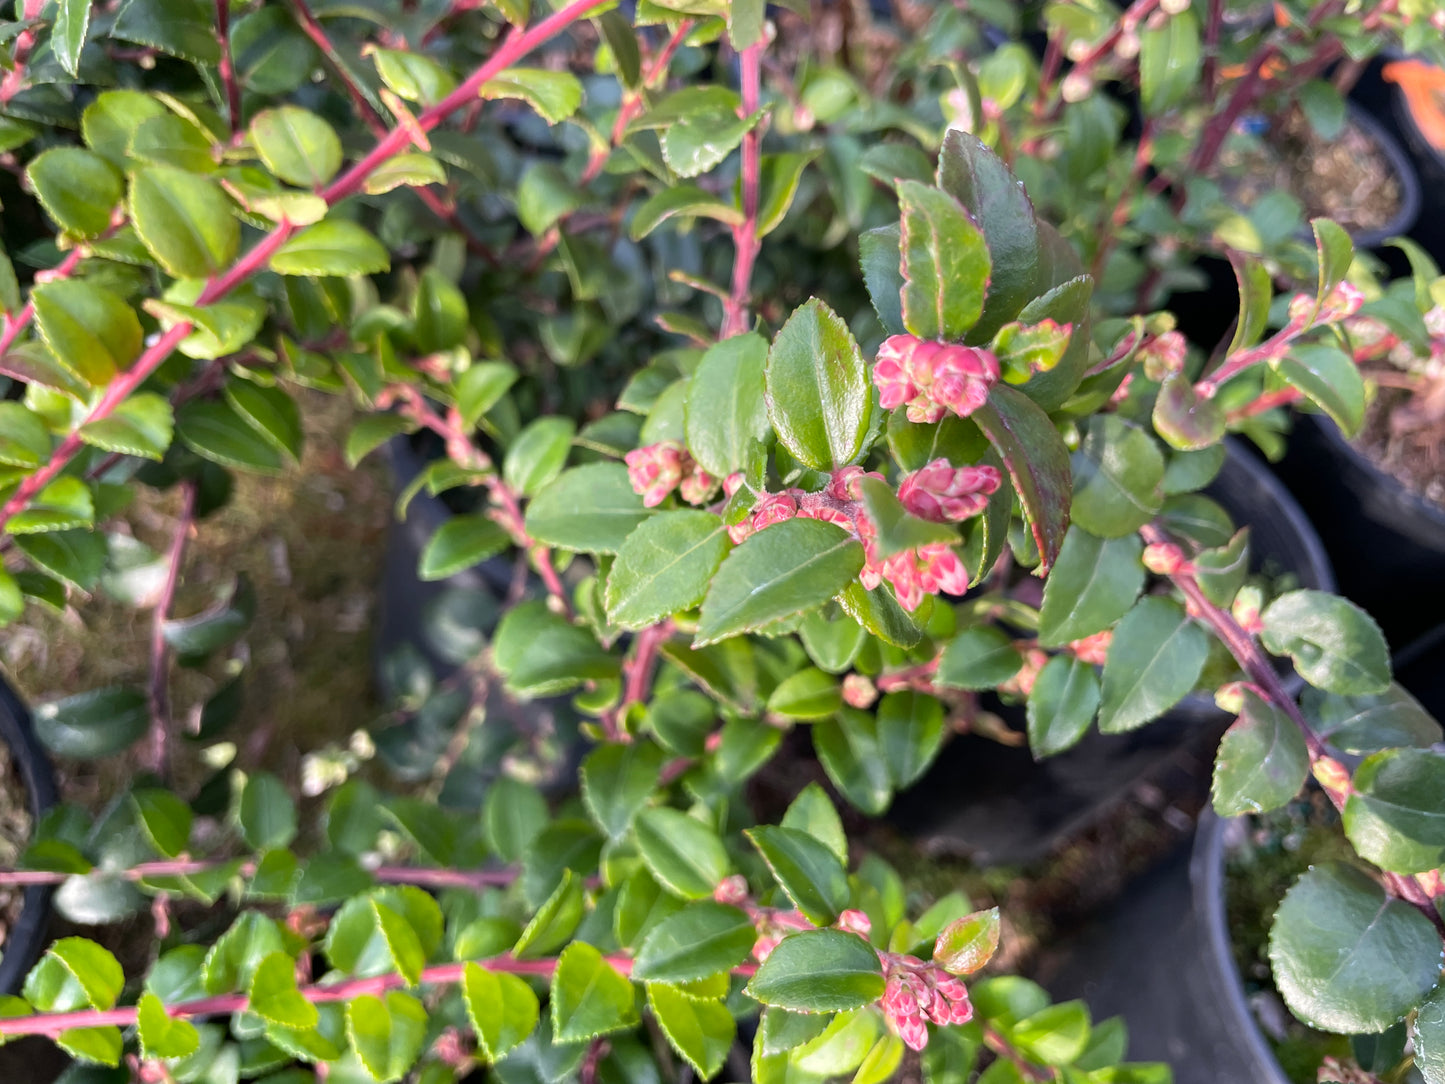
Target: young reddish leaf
945 264
968 943
1037 461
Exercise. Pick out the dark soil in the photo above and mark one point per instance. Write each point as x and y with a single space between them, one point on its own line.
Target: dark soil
14 834
1347 179
1413 454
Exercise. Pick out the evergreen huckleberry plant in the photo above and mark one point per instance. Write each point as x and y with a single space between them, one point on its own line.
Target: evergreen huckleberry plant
766 368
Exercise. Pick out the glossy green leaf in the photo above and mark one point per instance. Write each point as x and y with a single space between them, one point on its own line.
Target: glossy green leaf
1063 703
90 330
1169 61
878 612
681 201
1395 816
184 220
460 543
981 657
1262 761
702 939
296 145
502 1008
78 189
1331 380
334 246
726 412
266 814
779 571
665 566
162 1036
271 412
554 95
849 748
165 819
807 694
818 393
591 508
684 854
513 813
142 425
589 997
696 142
216 432
273 994
1348 958
945 264
1055 1035
538 454
1370 722
386 1032
806 869
1428 1034
412 75
617 781
1118 478
1037 462
819 971
1093 584
88 725
1154 659
538 652
1336 252
1335 645
555 920
101 1045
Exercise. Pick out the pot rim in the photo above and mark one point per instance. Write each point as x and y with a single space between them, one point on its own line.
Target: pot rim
26 937
1417 504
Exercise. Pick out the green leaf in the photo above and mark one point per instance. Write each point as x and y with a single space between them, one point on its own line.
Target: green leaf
405 171
665 566
1394 816
94 724
141 425
175 27
1262 761
1037 462
412 76
1055 1035
1256 289
780 571
701 940
681 201
589 997
90 330
1428 1034
1336 253
165 819
911 729
818 394
101 1045
726 411
968 943
266 814
746 28
538 454
387 1035
538 652
160 1035
1331 380
696 142
981 657
554 95
74 973
851 754
67 36
807 694
781 175
1118 478
1155 658
806 869
513 814
216 432
231 962
544 195
24 440
1335 645
880 260
1346 957
878 612
460 543
184 220
64 504
702 1031
898 530
273 995
1371 722
1324 108
333 246
1185 419
970 172
1169 62
819 971
617 781
481 387
502 1008
1093 584
556 920
945 264
296 145
1061 706
269 411
685 855
78 189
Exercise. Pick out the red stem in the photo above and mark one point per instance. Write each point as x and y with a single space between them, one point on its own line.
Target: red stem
157 754
227 66
185 867
745 234
15 81
633 102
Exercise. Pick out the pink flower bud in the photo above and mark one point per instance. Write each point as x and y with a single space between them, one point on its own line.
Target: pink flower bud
655 471
898 1000
943 493
1163 558
913 1031
856 922
697 485
774 508
962 1010
1341 302
1163 355
950 987
827 513
1246 607
741 532
1094 649
1022 683
844 484
733 889
733 482
1301 308
891 372
763 948
957 377
859 692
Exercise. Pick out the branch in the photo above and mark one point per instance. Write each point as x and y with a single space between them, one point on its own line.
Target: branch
633 102
157 754
745 234
15 81
187 867
516 45
227 65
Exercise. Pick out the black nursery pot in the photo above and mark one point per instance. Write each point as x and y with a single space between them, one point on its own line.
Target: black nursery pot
1387 543
997 805
27 937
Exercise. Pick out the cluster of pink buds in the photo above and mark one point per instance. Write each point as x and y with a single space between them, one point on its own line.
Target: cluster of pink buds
927 570
944 493
932 378
859 691
1342 302
657 469
915 992
1165 559
1163 354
